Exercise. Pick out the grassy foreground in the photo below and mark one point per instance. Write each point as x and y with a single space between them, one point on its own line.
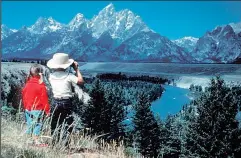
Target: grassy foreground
14 143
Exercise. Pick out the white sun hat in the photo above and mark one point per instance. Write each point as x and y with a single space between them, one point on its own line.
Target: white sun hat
60 60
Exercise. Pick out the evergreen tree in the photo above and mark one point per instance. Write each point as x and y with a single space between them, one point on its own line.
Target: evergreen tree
215 133
115 113
162 136
172 143
94 113
146 128
105 112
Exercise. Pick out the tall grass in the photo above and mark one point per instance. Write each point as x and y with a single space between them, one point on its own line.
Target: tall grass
15 143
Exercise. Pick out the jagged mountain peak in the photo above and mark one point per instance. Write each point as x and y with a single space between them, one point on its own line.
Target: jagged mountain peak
227 29
45 20
186 38
78 17
220 31
190 38
5 31
121 25
78 20
221 45
3 26
188 42
44 25
236 27
51 20
232 27
107 11
126 13
109 7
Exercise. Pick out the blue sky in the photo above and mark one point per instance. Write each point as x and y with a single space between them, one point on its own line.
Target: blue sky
171 19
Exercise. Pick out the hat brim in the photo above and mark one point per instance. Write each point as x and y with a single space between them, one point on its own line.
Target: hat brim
53 65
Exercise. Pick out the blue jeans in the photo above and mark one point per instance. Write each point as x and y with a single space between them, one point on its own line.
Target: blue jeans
34 121
62 114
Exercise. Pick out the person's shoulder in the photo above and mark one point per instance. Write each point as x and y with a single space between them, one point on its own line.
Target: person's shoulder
71 76
54 75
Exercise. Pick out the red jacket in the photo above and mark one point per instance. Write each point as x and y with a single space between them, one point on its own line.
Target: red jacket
35 96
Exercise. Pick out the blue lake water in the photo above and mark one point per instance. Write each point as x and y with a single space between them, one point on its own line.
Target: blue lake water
171 101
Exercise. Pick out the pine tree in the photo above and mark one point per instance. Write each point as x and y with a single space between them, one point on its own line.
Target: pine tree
115 113
105 112
146 128
215 133
94 116
172 143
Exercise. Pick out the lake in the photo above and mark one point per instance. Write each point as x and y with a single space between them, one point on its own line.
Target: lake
171 101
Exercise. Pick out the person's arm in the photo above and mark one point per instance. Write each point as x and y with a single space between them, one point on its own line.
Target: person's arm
78 74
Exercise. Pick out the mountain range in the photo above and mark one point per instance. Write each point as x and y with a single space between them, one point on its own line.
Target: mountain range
118 36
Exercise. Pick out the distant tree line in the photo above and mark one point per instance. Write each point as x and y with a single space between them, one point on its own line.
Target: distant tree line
39 61
119 76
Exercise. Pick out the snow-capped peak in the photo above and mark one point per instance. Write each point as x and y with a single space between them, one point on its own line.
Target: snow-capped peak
78 18
77 21
108 10
51 20
187 38
109 7
236 27
194 39
122 24
187 42
44 25
103 21
5 31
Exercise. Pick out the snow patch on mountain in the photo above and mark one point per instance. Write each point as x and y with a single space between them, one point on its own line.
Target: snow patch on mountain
150 46
236 27
221 45
188 43
121 25
5 31
45 25
77 21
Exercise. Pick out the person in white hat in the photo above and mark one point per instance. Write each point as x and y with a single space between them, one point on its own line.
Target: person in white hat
61 83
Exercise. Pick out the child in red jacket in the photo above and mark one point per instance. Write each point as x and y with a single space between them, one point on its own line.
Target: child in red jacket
35 101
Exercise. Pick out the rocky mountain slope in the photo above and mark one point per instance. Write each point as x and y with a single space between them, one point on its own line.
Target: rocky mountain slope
221 45
188 43
118 36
